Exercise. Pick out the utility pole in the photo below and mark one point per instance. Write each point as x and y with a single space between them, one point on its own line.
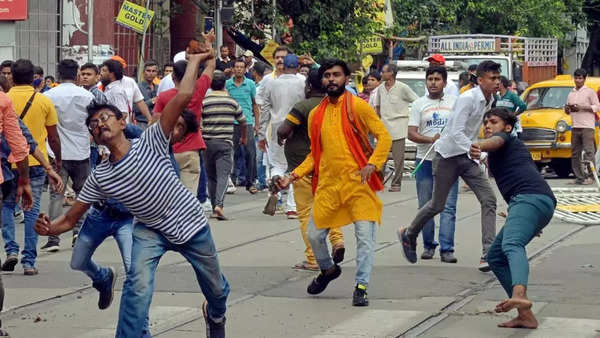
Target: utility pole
90 30
218 26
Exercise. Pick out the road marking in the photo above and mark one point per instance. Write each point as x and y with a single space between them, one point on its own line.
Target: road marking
361 325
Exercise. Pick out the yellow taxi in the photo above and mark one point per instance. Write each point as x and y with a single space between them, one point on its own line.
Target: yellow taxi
546 126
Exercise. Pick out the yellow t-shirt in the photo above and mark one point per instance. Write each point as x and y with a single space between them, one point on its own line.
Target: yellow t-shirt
41 114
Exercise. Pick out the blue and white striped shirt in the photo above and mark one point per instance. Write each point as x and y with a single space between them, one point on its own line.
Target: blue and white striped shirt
146 183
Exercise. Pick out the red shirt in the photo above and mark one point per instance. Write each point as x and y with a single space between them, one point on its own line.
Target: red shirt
192 141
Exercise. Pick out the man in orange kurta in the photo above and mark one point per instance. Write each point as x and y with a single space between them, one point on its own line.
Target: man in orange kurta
344 178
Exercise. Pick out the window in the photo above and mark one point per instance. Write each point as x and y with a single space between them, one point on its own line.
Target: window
548 97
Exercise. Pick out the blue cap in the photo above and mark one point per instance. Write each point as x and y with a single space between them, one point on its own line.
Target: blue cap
290 61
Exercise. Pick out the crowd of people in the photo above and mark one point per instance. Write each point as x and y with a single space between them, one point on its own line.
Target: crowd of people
164 153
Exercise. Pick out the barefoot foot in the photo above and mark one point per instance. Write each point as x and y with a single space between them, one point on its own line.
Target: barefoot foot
525 320
513 303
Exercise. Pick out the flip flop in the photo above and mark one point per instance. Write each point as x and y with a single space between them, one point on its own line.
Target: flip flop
252 190
306 266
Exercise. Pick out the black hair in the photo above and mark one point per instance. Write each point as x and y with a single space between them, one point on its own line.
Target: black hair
115 67
464 77
168 64
392 68
37 70
91 66
365 80
191 122
239 60
487 66
6 63
437 69
94 107
67 69
223 46
375 75
505 81
330 63
282 48
150 63
314 80
50 77
504 114
259 67
179 70
580 72
218 80
472 68
22 72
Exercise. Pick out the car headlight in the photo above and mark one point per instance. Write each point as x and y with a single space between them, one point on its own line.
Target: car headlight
562 126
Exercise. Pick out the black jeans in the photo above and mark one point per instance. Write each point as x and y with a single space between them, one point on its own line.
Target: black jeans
245 153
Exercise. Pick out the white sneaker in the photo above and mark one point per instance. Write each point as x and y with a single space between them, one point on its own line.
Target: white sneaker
207 207
19 217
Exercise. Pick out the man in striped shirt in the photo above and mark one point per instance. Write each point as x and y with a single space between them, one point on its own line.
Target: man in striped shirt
139 174
219 111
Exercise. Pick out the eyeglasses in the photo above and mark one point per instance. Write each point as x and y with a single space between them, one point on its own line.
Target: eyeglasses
104 117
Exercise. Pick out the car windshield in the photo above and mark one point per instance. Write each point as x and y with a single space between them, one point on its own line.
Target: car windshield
547 97
473 61
417 85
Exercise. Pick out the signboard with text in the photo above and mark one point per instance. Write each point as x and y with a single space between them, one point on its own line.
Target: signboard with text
467 45
134 16
267 51
372 45
13 10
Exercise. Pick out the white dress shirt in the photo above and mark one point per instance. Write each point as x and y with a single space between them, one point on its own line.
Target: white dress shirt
117 96
451 89
165 84
134 94
393 106
71 104
464 123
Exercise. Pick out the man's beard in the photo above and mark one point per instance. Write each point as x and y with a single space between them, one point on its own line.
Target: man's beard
337 92
105 82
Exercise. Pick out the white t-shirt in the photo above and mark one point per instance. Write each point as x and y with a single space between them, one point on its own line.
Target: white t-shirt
165 84
134 94
430 116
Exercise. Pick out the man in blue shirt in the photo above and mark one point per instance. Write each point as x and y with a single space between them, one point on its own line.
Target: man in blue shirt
243 90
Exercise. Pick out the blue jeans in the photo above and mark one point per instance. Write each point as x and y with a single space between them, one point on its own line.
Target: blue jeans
99 225
527 215
424 180
148 247
261 169
202 183
37 176
365 248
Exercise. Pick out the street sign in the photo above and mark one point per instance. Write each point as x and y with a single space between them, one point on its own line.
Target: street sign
134 16
13 10
467 45
372 45
267 51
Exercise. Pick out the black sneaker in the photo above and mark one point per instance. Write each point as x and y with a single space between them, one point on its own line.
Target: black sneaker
213 329
11 261
428 254
448 257
409 245
50 247
106 289
360 296
319 284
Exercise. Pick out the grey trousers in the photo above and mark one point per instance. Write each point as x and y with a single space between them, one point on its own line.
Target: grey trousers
78 172
446 171
218 161
582 140
398 147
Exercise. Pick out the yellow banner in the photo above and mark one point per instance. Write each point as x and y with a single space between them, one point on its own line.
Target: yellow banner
267 51
372 45
134 16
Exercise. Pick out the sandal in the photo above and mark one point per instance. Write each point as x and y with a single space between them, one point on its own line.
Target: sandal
252 190
218 213
306 266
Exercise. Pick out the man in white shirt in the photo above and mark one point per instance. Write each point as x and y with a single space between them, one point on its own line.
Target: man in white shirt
428 117
111 72
452 161
282 95
70 102
134 94
451 87
391 103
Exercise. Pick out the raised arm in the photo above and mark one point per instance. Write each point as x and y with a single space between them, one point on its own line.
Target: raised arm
171 113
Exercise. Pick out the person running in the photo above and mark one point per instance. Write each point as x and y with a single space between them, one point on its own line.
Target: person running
293 132
169 217
452 161
531 206
427 118
219 111
344 179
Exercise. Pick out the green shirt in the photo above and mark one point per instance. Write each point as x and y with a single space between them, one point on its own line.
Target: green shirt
297 146
244 95
511 101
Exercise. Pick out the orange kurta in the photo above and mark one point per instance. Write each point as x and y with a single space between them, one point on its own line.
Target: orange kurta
341 198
